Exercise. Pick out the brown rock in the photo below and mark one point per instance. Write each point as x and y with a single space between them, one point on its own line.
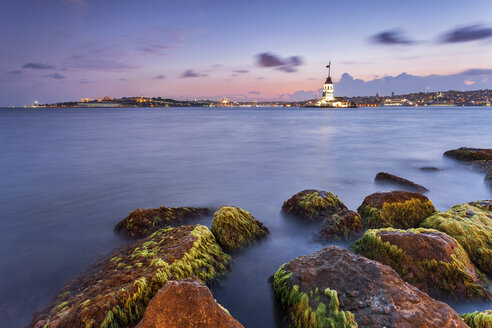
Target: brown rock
469 154
313 204
343 225
373 292
186 303
386 178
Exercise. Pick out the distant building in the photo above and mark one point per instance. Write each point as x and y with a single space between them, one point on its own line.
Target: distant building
328 99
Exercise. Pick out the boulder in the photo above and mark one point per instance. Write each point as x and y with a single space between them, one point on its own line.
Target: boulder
428 259
186 303
488 175
429 169
116 290
335 287
469 154
313 204
343 225
478 319
471 225
234 227
142 222
386 178
395 209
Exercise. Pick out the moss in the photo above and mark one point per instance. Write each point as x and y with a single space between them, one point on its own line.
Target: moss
439 276
344 225
313 204
403 215
471 226
478 319
309 309
234 227
116 296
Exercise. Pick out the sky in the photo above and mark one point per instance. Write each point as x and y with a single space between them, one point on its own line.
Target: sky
63 50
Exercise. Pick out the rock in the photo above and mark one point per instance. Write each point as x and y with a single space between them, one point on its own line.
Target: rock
371 293
471 225
313 204
386 178
478 319
428 259
488 176
469 154
186 303
343 225
116 291
395 209
234 227
429 169
142 222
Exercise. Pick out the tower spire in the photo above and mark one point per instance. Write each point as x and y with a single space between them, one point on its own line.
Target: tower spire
329 68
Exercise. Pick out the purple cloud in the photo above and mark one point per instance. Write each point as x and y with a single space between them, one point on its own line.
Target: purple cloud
288 65
82 63
257 93
37 66
241 71
159 77
393 37
466 34
14 72
192 73
55 76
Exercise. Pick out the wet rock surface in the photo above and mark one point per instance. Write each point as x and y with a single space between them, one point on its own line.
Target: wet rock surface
313 204
395 209
387 178
373 293
116 290
428 259
429 169
186 303
469 154
142 222
471 225
234 227
343 225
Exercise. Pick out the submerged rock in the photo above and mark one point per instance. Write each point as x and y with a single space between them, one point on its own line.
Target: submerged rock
469 154
343 225
116 291
234 227
143 222
335 287
395 209
313 204
186 303
428 259
471 225
478 319
429 169
386 178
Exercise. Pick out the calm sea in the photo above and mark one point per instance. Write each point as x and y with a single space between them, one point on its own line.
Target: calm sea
68 176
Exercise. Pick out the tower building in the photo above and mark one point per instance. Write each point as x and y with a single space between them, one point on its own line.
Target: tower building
328 99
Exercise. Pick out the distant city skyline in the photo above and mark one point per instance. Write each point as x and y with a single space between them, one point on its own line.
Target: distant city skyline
60 50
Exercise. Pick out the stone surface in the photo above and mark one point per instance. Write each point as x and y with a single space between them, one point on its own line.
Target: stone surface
395 209
116 290
142 222
386 178
343 225
372 292
471 225
469 154
430 169
234 227
186 303
428 259
313 204
488 175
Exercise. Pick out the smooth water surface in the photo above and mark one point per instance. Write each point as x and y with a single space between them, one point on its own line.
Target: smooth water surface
67 176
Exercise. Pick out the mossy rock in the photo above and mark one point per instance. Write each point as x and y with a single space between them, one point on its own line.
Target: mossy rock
313 204
142 222
471 225
115 291
343 225
488 175
428 259
395 209
234 227
314 308
478 319
469 154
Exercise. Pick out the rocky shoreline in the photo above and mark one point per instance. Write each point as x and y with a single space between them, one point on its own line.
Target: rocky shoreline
405 261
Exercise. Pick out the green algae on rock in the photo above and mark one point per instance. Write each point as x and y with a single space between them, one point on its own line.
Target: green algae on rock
395 209
116 291
426 258
478 319
343 225
142 222
313 204
471 225
234 227
310 309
